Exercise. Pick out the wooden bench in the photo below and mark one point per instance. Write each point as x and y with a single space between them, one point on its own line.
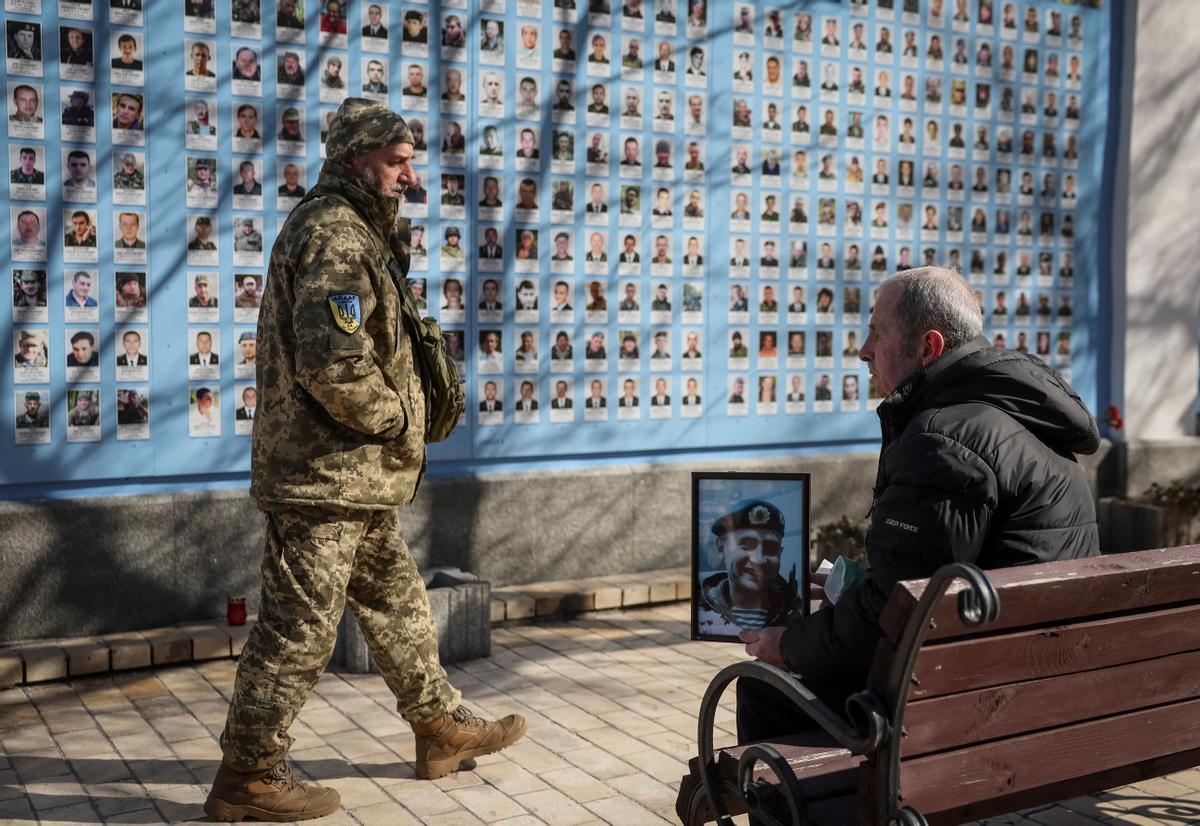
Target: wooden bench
988 694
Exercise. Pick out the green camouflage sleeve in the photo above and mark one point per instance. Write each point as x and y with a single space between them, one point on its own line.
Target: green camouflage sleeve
335 357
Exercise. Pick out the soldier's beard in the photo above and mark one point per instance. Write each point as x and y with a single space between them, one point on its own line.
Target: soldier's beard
373 180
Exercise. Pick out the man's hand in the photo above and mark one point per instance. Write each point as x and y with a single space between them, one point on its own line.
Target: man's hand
764 644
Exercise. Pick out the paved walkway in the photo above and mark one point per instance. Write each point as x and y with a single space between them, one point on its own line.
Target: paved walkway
611 698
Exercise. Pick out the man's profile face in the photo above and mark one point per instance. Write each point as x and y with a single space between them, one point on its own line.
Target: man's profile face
388 168
885 349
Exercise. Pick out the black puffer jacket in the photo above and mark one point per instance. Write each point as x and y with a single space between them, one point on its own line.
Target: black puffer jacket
977 465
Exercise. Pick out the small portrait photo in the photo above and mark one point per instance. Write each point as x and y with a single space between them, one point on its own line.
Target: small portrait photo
333 23
83 415
289 21
246 396
79 237
749 549
132 352
247 183
127 50
32 416
125 12
132 302
454 37
202 240
200 15
247 295
200 123
246 135
78 115
29 296
27 173
83 355
129 237
202 186
245 356
128 122
491 402
375 27
133 414
491 41
203 301
32 356
333 79
289 75
199 76
248 240
491 98
291 137
26 118
247 72
414 38
490 357
24 47
204 411
76 56
374 79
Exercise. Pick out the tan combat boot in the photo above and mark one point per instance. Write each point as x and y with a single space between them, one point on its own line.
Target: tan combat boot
275 795
443 744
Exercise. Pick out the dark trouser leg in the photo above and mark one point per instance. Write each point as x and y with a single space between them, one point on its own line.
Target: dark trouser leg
764 713
306 564
388 597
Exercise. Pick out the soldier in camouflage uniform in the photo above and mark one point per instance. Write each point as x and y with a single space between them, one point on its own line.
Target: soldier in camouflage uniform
338 447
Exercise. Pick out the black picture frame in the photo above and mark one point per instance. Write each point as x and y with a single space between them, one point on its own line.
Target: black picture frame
730 496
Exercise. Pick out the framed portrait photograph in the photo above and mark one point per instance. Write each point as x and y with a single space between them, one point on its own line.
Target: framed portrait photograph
749 551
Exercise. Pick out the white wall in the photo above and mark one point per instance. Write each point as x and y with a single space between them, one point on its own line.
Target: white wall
1157 308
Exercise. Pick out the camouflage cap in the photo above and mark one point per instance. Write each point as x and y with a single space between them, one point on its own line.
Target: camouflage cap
361 126
30 337
33 396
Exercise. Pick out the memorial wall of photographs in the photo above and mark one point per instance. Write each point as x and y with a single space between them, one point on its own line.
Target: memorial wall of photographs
642 225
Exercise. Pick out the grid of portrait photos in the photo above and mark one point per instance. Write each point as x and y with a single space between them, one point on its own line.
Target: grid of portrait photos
610 191
79 223
890 135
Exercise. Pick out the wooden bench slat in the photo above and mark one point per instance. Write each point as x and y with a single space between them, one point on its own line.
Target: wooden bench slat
968 664
1058 591
986 714
1067 789
951 779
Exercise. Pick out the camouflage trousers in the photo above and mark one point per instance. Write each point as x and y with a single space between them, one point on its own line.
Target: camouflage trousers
316 560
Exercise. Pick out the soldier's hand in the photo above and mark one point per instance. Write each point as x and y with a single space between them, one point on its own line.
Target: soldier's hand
764 644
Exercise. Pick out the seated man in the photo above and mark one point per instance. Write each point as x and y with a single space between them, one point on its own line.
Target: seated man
977 466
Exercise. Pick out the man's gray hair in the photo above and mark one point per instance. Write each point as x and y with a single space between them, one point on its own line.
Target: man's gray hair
937 298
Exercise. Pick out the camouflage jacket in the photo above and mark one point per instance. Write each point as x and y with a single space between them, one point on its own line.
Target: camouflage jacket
341 409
